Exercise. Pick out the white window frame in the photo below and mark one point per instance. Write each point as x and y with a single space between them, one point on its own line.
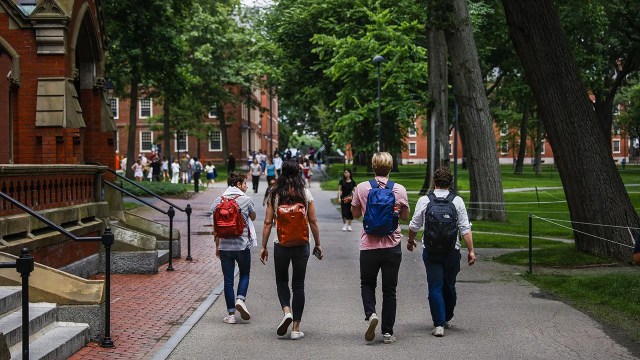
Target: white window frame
504 130
186 141
450 147
543 144
140 104
504 143
210 139
413 132
150 141
213 113
415 148
116 140
613 146
115 110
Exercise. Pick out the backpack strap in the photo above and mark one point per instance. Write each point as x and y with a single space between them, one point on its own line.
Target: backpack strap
452 195
374 184
390 184
431 196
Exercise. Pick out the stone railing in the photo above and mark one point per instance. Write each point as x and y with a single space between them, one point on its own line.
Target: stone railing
42 187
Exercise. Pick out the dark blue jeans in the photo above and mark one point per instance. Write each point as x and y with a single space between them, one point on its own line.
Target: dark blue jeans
297 256
371 263
228 260
442 270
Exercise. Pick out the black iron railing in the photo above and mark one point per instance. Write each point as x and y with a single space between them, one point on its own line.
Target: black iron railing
24 265
170 212
107 239
187 210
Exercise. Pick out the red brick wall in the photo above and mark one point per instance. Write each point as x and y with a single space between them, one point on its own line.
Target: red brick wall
5 67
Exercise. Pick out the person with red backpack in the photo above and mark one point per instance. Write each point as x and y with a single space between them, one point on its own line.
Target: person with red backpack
383 203
444 216
292 207
233 213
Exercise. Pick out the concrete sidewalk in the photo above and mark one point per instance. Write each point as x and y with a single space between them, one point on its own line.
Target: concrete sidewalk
499 316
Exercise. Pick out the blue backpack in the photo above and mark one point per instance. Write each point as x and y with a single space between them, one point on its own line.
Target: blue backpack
380 218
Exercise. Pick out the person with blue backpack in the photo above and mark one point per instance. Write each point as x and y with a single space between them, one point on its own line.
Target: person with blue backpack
383 203
444 216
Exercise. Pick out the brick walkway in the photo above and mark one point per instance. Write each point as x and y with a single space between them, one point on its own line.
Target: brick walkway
147 309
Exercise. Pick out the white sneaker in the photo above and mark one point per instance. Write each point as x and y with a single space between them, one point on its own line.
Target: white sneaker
438 331
349 228
242 309
230 319
284 324
371 329
388 338
447 325
297 335
344 228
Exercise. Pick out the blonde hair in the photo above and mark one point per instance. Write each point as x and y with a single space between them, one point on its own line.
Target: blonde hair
382 163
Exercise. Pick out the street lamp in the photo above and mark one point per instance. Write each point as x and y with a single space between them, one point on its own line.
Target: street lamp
376 61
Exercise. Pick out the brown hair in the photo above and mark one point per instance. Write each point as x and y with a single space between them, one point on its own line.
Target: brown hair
236 177
442 177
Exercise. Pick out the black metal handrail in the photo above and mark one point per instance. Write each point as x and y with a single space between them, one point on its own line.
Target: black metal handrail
171 213
24 265
107 239
187 210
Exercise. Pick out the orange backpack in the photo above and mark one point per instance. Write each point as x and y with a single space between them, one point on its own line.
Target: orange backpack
292 225
227 218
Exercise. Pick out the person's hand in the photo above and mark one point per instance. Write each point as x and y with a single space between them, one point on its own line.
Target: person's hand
217 253
411 245
471 258
264 255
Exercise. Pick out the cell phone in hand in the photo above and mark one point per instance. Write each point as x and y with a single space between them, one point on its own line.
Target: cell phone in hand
316 253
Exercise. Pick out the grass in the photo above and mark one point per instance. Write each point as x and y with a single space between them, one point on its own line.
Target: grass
562 255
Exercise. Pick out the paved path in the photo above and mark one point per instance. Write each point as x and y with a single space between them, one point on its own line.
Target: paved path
499 316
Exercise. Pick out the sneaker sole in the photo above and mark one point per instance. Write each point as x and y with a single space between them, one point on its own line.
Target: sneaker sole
244 314
282 329
371 331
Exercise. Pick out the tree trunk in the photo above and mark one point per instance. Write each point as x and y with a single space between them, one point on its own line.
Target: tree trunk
593 187
522 148
438 83
480 147
133 118
537 158
166 131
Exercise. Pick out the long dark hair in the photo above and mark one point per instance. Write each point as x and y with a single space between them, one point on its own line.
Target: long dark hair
290 188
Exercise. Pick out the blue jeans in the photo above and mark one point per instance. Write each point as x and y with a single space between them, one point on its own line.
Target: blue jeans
228 260
442 270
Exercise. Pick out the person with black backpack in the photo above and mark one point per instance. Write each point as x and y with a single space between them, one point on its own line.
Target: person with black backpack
383 203
444 216
233 213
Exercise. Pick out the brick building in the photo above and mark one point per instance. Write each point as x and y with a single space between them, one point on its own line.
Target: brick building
248 129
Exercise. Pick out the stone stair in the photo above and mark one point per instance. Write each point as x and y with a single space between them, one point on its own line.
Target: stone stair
48 338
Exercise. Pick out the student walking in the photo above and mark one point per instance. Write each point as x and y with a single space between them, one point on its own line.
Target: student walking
292 207
270 171
211 174
137 170
256 170
345 195
382 202
233 213
175 171
444 216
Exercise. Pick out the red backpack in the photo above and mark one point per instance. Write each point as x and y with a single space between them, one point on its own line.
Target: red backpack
227 218
292 225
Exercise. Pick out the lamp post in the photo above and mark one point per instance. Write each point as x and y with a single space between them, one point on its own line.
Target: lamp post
377 60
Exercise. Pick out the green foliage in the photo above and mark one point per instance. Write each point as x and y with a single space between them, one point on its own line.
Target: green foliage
629 119
563 255
160 188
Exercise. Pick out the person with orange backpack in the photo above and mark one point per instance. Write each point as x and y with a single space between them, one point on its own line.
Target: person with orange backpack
292 207
233 213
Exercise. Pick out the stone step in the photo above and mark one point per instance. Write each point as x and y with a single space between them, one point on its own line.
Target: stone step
58 342
163 257
40 316
164 245
10 298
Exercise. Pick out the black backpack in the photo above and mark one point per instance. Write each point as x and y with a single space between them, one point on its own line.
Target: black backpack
441 224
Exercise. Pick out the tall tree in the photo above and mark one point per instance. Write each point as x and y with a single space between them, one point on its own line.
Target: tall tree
599 205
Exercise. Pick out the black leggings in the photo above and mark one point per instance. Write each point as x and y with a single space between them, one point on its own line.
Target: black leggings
298 257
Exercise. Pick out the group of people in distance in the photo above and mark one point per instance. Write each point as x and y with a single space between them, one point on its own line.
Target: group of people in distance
381 203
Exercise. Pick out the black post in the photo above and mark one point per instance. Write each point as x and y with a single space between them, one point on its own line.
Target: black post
107 240
25 265
530 243
171 212
188 211
455 146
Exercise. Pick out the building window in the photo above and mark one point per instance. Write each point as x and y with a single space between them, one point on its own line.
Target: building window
115 108
116 140
450 147
412 132
504 130
504 147
146 141
215 140
182 141
544 146
413 150
616 146
213 112
146 108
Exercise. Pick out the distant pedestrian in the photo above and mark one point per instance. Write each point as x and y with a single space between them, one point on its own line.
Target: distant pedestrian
444 216
156 169
184 168
234 241
231 163
192 163
165 169
623 162
210 169
270 171
175 171
255 169
138 170
383 203
277 161
197 171
345 196
291 245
